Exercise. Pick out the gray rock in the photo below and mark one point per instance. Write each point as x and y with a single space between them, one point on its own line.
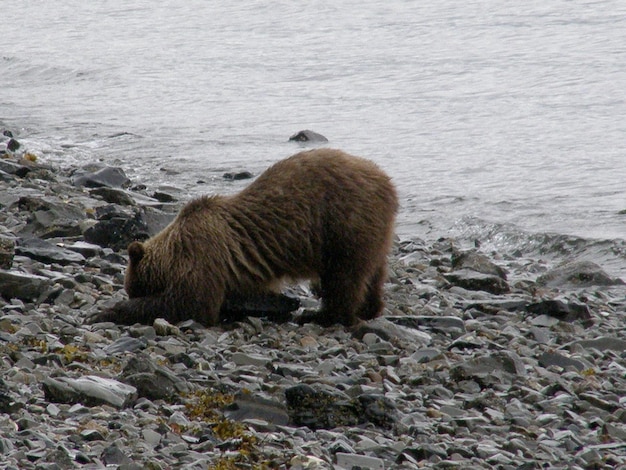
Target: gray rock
556 359
111 177
113 196
89 390
307 136
88 250
150 380
22 286
488 368
249 406
453 326
408 338
604 343
46 252
473 280
577 274
125 344
351 461
476 262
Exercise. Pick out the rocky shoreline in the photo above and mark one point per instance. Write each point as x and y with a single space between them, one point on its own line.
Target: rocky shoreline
480 360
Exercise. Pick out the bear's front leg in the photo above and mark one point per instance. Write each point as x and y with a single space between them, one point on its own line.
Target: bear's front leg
145 310
138 310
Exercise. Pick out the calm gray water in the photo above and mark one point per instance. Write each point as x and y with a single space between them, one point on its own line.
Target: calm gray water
502 121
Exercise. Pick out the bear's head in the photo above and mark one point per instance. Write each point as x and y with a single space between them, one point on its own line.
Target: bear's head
142 273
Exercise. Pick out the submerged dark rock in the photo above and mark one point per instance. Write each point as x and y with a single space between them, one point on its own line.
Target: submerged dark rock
241 175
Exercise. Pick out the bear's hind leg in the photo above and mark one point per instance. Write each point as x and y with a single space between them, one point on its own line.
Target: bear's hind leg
342 295
373 304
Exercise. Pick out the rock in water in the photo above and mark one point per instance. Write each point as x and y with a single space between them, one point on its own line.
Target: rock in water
307 136
111 177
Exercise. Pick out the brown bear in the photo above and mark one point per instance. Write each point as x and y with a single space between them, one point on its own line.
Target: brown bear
321 215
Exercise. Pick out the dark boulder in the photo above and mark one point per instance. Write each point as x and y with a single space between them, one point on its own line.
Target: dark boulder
241 175
563 310
307 136
117 232
324 408
13 145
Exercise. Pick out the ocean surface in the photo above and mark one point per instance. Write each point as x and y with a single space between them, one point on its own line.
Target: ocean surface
499 121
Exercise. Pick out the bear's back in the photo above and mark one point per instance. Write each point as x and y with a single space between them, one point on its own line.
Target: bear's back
316 177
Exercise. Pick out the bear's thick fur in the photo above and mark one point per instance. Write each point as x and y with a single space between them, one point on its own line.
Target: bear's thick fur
321 214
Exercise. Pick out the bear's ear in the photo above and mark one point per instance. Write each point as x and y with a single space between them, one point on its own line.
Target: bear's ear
136 252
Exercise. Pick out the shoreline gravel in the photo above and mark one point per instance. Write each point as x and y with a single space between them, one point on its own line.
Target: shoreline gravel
480 361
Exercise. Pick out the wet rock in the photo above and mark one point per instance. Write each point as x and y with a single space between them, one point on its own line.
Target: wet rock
46 252
307 136
240 175
14 168
163 197
89 390
476 262
23 286
577 274
118 232
113 196
13 145
7 251
111 177
474 280
562 310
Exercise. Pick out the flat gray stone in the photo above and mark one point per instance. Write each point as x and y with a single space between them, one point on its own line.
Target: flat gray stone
22 286
89 390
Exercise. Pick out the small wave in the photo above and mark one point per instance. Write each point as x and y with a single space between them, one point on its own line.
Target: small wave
510 240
